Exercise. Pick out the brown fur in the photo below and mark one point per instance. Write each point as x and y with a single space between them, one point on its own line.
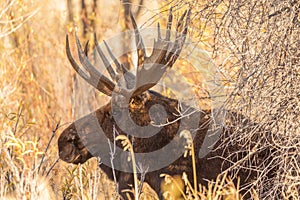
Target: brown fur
72 150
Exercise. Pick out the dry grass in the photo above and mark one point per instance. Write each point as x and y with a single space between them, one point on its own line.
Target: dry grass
35 95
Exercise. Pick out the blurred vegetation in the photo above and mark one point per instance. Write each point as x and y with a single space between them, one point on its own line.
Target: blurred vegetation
255 45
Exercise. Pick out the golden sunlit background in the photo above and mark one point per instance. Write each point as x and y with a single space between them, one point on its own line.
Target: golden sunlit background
254 44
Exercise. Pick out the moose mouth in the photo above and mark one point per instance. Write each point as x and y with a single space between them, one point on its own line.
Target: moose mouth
74 156
78 160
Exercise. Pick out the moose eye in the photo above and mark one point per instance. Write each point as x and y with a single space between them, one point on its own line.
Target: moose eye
74 142
71 139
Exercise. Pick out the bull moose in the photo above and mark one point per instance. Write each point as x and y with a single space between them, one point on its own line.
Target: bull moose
132 111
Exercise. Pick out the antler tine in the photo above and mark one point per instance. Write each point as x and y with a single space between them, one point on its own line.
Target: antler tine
179 39
169 24
162 50
158 32
120 67
86 48
108 66
96 79
128 76
187 22
176 49
94 73
73 62
180 21
139 44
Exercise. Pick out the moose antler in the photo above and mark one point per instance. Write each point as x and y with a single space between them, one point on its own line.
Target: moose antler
150 69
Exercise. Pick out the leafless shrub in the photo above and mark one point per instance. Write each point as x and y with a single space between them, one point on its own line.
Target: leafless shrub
256 43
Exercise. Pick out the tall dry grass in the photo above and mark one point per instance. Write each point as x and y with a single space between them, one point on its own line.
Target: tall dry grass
35 104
